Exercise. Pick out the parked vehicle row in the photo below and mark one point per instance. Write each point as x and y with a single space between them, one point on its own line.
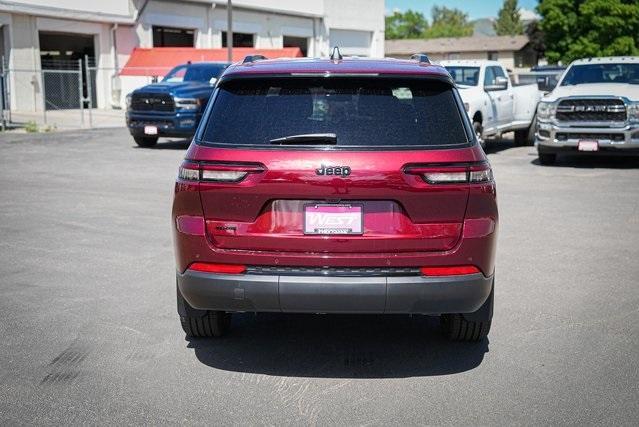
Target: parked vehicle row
349 185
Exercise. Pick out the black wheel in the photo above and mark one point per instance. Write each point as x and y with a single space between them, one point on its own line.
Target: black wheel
526 136
472 326
146 141
547 158
202 323
479 130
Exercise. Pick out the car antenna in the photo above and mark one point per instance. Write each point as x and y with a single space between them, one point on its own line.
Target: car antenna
336 55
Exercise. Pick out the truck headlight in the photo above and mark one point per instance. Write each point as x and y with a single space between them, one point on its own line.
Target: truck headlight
633 112
187 103
546 110
128 101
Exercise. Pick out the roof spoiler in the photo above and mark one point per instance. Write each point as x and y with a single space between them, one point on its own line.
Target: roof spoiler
253 58
421 58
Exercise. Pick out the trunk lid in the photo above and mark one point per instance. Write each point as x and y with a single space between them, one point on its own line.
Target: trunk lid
401 212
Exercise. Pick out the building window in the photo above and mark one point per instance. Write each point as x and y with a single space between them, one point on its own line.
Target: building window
240 39
301 42
493 56
173 37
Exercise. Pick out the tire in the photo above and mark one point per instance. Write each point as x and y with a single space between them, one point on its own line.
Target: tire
478 128
202 323
472 326
547 159
146 141
526 137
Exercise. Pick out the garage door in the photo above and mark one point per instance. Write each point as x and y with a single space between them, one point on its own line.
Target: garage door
351 42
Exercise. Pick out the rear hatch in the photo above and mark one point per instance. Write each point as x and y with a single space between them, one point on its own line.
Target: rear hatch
335 165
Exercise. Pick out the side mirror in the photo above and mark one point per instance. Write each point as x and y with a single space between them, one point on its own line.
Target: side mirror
546 83
500 83
213 81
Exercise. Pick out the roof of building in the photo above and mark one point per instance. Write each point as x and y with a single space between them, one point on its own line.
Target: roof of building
455 44
347 66
158 61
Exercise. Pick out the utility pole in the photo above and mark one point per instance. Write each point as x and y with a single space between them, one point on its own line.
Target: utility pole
229 30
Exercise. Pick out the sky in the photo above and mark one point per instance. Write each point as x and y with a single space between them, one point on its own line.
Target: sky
474 8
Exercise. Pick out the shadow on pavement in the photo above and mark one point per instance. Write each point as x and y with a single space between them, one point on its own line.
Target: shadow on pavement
181 144
591 162
496 145
338 346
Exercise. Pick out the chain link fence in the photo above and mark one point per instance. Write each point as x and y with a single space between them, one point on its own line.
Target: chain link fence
63 94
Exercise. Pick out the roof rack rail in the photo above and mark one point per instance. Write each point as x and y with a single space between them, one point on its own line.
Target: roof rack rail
420 57
336 54
253 58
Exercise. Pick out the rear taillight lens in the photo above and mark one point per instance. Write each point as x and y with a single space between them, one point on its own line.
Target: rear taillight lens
217 172
454 174
206 267
189 172
223 176
455 270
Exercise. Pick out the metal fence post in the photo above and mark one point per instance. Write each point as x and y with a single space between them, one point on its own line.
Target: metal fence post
43 94
88 80
4 96
80 92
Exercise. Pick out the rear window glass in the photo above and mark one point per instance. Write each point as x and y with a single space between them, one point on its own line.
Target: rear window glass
358 112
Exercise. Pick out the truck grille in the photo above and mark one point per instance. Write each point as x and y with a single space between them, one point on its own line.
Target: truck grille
591 110
152 102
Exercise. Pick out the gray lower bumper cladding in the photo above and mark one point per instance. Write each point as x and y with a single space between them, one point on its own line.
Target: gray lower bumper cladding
328 294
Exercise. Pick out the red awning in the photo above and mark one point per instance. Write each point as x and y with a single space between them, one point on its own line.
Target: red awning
157 61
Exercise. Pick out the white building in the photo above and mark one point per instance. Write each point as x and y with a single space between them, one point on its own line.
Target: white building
42 34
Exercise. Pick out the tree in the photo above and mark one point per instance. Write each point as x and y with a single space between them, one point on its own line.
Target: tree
537 39
508 21
587 28
448 23
407 25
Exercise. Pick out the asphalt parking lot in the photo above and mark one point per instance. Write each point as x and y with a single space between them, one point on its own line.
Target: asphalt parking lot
90 332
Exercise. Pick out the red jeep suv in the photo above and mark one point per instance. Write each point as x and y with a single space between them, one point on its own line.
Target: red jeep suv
335 186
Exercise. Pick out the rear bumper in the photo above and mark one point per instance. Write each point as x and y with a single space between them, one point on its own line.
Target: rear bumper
322 294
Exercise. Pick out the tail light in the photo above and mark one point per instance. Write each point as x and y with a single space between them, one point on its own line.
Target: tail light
217 172
455 270
207 267
453 174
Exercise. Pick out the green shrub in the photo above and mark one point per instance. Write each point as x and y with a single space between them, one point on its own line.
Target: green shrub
31 126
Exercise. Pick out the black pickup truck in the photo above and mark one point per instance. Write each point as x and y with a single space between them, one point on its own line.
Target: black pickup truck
174 106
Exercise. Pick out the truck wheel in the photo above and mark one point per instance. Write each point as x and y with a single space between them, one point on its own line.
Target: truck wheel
202 323
525 137
146 141
471 326
547 159
477 127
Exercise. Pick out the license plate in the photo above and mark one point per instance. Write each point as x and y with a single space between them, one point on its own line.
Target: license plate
333 219
588 146
150 130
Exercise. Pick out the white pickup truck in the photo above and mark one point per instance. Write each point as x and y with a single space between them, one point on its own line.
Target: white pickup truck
493 103
594 109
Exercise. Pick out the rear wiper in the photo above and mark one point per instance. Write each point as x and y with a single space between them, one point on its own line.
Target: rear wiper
307 138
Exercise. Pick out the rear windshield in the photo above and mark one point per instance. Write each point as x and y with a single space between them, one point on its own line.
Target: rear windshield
356 112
